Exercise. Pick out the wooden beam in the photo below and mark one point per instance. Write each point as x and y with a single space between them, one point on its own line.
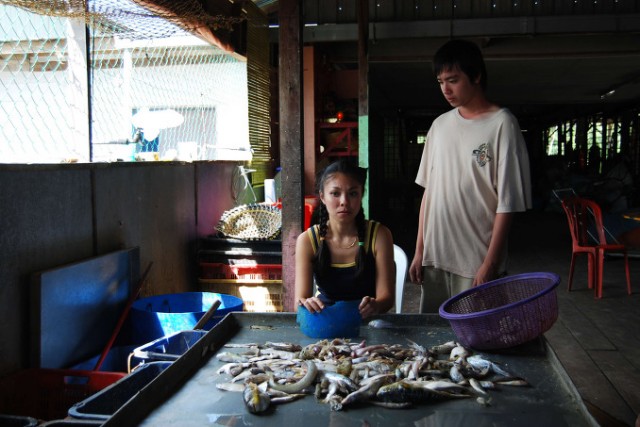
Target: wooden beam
291 141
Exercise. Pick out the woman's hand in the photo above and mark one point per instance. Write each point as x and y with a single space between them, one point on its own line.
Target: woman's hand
313 304
368 307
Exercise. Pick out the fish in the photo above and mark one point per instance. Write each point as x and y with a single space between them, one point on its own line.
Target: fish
273 393
442 349
420 349
262 327
459 352
242 345
380 324
332 391
283 346
473 371
367 350
255 400
368 391
232 357
286 399
379 365
412 391
334 402
517 382
455 374
281 354
235 387
247 373
342 374
487 385
342 380
391 405
444 385
478 362
477 387
233 368
305 382
257 378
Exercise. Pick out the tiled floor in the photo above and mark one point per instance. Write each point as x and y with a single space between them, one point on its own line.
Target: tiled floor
597 341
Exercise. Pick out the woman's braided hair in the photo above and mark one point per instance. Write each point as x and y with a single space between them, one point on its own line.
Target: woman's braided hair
322 259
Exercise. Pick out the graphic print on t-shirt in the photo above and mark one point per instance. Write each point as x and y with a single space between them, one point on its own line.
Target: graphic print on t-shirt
482 154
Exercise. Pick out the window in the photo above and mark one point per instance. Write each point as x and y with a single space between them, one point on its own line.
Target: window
421 136
115 83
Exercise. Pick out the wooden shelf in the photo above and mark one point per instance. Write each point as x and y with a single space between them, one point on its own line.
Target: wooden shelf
344 144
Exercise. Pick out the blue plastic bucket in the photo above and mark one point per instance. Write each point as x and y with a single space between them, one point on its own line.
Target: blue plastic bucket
340 320
160 315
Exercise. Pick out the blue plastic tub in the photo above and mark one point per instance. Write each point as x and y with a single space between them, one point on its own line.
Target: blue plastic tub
340 320
168 348
160 315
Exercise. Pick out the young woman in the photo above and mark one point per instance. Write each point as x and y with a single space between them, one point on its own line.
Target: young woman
346 256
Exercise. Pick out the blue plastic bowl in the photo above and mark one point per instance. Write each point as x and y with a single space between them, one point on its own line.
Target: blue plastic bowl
340 320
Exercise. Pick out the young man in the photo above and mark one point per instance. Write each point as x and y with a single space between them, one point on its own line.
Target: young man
475 174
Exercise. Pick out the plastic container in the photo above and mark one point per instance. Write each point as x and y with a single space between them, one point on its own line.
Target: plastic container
47 394
105 403
16 421
248 272
157 316
340 320
72 423
168 348
504 313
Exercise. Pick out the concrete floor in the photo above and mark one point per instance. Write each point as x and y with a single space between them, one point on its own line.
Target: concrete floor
597 341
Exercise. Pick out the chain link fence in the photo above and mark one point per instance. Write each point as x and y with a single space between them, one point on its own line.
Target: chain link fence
110 80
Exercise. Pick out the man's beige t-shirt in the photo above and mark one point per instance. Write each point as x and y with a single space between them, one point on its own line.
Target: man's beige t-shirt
471 170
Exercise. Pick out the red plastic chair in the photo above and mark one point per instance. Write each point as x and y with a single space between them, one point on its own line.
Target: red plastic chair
588 236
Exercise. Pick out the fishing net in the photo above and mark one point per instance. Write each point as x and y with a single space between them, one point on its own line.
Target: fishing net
251 222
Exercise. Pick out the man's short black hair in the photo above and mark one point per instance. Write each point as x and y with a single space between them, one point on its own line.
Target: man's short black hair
463 54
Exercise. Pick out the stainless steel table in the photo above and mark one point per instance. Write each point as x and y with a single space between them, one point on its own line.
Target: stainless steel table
185 394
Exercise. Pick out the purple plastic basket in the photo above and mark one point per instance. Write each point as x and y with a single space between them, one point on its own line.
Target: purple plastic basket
505 312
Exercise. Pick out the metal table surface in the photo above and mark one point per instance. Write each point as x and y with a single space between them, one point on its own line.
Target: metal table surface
185 394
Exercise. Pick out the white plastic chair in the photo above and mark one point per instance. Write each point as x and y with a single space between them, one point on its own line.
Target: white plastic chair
400 258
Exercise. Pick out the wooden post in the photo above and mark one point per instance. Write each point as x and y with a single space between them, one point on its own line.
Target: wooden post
291 141
363 94
309 117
